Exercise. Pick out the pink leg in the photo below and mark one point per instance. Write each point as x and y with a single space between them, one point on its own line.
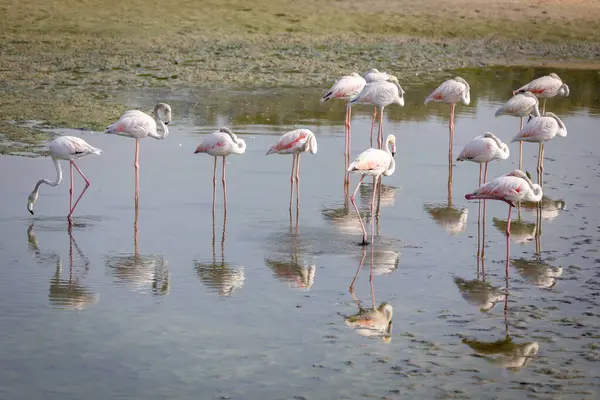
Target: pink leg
349 130
292 182
508 240
298 183
483 237
224 182
485 173
380 134
508 221
364 241
136 165
373 210
542 165
480 167
351 289
371 280
70 193
451 126
214 185
87 184
373 124
347 124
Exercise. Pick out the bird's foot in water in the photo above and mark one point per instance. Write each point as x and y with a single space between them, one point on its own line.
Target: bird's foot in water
364 243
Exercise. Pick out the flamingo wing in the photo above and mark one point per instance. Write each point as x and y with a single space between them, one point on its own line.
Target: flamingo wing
538 129
370 160
71 146
541 85
345 88
291 142
449 91
133 123
480 149
517 105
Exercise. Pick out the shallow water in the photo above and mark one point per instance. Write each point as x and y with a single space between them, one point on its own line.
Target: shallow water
254 308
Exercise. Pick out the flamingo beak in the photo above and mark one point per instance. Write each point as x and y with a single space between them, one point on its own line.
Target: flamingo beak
30 207
167 123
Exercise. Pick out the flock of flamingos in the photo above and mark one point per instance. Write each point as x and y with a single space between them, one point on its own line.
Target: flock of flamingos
378 89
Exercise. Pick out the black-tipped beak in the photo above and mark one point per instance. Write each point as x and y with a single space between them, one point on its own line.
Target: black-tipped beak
394 154
31 211
167 123
530 118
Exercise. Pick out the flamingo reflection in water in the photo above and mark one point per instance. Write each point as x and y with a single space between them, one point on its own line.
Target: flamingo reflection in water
140 272
452 219
374 321
65 293
220 276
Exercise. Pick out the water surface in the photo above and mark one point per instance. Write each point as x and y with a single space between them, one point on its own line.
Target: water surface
252 307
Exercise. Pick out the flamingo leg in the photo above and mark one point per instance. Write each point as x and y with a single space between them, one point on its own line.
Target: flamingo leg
373 211
508 220
451 127
480 168
224 190
380 133
371 280
544 107
87 184
539 164
70 192
542 165
483 238
214 186
292 183
485 173
136 165
479 220
508 240
521 146
351 288
373 125
378 200
297 183
347 123
364 241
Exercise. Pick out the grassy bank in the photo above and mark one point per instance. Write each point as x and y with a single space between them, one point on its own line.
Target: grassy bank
61 59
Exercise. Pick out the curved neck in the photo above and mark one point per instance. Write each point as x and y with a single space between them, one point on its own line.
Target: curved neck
312 144
535 188
392 166
241 146
536 110
48 182
562 126
161 128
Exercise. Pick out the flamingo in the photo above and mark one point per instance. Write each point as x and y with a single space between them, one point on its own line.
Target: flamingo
539 130
295 142
137 125
373 75
380 94
520 105
221 143
65 148
512 187
483 149
373 162
545 86
345 88
451 92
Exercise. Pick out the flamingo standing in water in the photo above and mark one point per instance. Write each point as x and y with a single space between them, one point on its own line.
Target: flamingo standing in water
540 130
345 89
373 162
65 148
520 105
221 144
451 92
137 125
380 94
373 75
295 142
510 188
545 86
483 149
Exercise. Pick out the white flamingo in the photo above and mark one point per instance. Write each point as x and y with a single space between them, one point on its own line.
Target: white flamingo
451 92
345 89
520 105
137 125
295 142
373 162
544 87
539 130
483 149
65 148
380 94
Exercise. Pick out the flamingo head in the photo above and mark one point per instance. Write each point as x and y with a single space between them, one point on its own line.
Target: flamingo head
392 142
31 201
163 112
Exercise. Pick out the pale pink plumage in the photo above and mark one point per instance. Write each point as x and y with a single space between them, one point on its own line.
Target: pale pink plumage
510 188
483 149
520 105
541 129
295 142
545 86
452 91
373 75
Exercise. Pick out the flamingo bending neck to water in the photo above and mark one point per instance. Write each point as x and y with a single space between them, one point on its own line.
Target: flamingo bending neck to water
65 148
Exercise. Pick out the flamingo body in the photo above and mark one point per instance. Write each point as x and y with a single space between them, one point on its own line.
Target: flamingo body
483 149
380 94
345 88
510 188
520 105
452 91
221 143
373 75
541 129
545 86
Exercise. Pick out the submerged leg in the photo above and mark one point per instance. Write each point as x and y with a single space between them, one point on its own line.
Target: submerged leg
362 259
373 211
364 241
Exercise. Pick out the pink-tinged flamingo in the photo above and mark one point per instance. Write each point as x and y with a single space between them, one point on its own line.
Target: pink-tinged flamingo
539 130
483 149
520 105
451 92
373 75
65 148
138 125
345 89
295 142
545 86
380 94
510 188
373 162
221 144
